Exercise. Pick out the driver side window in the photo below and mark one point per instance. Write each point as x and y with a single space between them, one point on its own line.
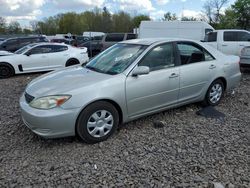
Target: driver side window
40 50
160 57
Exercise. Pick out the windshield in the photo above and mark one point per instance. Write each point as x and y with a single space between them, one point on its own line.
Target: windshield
116 59
23 49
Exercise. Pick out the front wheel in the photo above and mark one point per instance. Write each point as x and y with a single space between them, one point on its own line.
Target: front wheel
215 93
6 71
97 122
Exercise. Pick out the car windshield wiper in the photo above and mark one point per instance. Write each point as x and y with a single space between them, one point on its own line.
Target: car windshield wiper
94 69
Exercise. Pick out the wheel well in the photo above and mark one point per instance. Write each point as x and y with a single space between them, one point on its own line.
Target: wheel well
72 59
9 65
118 108
224 82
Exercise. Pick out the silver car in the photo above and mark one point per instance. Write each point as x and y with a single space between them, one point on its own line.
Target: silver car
128 80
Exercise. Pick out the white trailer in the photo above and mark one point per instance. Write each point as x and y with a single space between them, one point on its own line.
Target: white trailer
195 30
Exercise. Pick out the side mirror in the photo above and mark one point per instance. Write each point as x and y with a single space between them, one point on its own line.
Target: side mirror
140 70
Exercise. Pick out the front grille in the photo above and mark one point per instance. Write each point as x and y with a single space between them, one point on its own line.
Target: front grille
28 97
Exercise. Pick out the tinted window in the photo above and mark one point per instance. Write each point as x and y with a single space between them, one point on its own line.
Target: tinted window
236 36
11 42
131 36
211 37
192 53
160 57
41 49
230 36
59 48
114 37
243 36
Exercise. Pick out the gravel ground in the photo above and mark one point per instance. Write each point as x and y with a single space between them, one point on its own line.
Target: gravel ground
189 151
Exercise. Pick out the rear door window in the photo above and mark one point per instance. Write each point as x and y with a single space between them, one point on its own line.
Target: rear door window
59 48
193 53
114 37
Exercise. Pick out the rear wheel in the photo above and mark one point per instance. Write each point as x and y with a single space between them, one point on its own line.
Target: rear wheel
97 122
6 70
71 62
215 93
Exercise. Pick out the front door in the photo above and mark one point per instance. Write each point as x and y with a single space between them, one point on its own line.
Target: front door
159 88
36 59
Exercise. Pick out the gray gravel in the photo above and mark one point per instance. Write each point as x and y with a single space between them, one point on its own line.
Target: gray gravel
188 151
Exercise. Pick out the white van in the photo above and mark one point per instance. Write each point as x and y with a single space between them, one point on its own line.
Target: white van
195 30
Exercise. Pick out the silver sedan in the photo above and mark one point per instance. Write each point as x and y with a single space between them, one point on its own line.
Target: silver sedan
129 80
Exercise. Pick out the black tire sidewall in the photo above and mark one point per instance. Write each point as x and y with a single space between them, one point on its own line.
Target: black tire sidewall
71 62
11 71
81 125
207 99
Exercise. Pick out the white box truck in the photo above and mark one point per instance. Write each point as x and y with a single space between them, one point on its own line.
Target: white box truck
195 30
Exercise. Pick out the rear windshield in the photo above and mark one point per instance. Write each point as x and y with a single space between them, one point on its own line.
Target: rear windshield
114 37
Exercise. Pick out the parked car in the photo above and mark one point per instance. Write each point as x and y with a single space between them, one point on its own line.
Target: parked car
64 40
127 81
195 30
94 45
112 38
4 53
14 44
41 57
229 41
245 57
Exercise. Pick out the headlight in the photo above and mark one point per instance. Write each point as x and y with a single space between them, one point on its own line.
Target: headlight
49 101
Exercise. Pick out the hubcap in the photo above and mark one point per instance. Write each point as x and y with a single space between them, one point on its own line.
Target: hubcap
215 93
4 71
100 123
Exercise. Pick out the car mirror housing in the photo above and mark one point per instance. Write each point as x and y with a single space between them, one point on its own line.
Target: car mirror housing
140 70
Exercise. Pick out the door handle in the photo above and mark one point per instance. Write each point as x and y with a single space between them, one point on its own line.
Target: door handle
43 56
212 67
242 45
224 44
173 75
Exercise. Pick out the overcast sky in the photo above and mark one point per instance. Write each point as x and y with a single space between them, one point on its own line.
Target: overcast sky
26 10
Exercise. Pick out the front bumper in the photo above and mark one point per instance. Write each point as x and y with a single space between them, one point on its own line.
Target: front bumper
53 123
245 61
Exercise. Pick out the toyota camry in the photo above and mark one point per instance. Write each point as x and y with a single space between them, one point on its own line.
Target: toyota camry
129 80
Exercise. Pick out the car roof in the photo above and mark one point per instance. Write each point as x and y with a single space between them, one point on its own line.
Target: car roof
150 41
230 30
50 43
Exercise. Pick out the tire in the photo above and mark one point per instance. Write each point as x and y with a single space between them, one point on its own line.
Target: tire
6 70
71 62
97 122
214 93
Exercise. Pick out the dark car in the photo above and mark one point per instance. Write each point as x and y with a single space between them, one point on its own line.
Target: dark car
94 45
112 38
14 44
65 41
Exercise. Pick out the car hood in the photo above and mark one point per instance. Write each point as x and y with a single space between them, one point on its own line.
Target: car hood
65 81
5 53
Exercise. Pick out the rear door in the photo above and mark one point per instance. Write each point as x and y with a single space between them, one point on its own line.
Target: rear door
159 88
197 69
58 56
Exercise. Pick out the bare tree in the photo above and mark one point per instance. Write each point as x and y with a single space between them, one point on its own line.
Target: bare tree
212 9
